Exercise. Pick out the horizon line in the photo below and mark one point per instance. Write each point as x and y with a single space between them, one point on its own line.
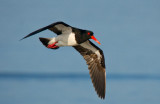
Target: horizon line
112 76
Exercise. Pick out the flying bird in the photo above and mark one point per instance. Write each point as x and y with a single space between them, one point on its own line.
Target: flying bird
78 39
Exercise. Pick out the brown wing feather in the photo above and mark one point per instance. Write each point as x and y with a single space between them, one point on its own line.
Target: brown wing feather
96 68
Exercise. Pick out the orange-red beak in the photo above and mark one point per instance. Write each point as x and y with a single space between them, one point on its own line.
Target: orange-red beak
92 37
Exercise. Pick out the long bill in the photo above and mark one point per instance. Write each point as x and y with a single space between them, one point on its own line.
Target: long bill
92 37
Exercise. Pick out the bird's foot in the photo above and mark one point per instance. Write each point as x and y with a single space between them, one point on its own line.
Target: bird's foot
53 46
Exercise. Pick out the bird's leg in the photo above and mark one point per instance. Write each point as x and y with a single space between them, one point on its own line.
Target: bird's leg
53 46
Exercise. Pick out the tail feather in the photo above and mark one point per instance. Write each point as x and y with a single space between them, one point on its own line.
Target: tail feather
44 41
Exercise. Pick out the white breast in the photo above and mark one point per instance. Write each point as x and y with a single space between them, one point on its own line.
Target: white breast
66 40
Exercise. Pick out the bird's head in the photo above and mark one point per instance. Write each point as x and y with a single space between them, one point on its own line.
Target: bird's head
90 35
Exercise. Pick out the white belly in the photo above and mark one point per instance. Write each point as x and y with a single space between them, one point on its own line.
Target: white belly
66 40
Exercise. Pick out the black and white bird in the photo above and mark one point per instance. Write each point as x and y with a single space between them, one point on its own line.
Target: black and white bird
79 39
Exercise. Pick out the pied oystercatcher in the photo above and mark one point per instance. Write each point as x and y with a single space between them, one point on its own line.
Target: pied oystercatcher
79 39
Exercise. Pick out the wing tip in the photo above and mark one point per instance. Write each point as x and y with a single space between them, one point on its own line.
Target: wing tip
102 97
100 94
99 88
22 38
44 28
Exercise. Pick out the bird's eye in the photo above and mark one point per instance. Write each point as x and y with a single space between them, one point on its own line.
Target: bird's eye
89 33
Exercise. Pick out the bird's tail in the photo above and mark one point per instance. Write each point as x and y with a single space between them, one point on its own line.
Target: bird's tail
45 42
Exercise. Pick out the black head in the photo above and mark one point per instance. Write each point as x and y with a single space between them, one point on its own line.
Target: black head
89 35
83 35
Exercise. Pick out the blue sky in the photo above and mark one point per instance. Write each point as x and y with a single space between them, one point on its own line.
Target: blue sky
127 29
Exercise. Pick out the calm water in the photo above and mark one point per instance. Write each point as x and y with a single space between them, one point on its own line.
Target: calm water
72 88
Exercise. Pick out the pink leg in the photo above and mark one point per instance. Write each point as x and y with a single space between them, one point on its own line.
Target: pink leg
53 45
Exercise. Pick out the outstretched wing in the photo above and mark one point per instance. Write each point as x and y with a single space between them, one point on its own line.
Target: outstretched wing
58 28
96 64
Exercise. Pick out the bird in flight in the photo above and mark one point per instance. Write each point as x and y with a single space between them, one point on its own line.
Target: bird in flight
78 39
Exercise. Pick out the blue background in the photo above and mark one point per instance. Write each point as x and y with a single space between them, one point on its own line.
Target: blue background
129 31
